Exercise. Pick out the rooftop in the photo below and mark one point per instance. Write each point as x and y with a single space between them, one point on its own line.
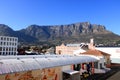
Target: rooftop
96 53
11 64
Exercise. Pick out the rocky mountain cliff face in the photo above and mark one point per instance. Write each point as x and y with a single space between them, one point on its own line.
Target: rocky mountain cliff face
61 33
71 30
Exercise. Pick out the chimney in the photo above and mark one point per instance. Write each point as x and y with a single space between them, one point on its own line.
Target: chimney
91 44
92 41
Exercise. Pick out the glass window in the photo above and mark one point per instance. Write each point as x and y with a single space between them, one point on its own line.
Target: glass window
15 49
1 38
10 39
15 39
1 43
7 39
96 64
0 48
4 38
6 48
3 48
3 53
7 43
12 44
77 67
4 43
12 48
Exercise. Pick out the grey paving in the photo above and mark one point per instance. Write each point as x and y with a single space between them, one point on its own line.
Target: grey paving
115 76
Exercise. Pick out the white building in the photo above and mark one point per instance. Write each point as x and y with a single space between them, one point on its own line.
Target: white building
113 51
8 45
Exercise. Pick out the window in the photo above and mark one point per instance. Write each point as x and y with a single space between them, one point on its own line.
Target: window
12 44
9 49
15 39
10 39
4 43
0 48
59 52
4 38
1 38
1 43
3 53
3 48
96 64
15 49
77 67
6 48
7 39
7 43
100 65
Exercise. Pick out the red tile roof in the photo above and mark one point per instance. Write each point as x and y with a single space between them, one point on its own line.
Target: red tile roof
96 53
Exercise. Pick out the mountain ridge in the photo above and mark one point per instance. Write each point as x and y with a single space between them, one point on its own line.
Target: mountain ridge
75 32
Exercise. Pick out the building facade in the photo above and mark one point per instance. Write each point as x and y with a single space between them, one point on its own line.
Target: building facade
101 66
8 45
74 49
113 51
69 49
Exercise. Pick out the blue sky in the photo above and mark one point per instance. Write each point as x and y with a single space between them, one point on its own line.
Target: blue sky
20 14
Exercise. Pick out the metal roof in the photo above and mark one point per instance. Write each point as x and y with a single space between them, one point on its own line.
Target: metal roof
10 64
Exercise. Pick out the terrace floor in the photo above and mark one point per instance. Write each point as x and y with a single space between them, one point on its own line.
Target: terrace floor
113 74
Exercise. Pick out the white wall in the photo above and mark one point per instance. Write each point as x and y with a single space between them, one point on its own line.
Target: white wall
8 45
113 51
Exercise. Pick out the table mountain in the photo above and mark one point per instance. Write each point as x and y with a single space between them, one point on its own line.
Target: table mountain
77 32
